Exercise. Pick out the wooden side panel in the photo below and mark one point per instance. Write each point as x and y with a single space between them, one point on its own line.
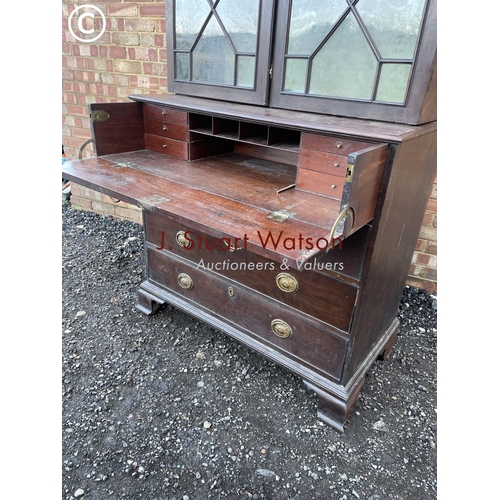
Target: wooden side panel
394 235
361 194
123 131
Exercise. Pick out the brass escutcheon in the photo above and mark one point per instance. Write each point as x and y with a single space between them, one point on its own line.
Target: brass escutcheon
181 239
281 328
230 291
185 281
287 283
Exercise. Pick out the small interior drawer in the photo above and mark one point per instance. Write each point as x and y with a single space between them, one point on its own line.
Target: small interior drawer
323 162
166 129
329 144
167 146
320 183
165 114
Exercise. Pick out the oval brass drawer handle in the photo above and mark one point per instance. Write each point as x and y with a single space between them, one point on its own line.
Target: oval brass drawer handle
287 283
185 281
281 328
182 240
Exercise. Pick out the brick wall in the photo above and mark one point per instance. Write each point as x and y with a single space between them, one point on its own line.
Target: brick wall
130 58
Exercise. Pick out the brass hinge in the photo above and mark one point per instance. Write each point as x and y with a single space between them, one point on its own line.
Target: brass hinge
98 116
280 215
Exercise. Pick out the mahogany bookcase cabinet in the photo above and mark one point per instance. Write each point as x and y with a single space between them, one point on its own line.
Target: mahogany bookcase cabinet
286 226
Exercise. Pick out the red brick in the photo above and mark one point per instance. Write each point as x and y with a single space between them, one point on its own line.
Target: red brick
78 110
159 41
423 259
154 9
161 25
428 273
123 9
431 248
103 51
431 206
118 52
142 54
420 246
427 220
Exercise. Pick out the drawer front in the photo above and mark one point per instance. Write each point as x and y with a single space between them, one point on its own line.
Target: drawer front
165 114
272 323
318 294
333 145
320 183
323 162
166 129
167 146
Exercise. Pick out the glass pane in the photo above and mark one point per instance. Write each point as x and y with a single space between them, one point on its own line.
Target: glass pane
241 21
213 58
310 22
393 82
295 75
393 25
246 71
189 18
345 66
182 66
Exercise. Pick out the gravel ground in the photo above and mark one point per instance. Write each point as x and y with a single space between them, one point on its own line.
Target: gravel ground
165 407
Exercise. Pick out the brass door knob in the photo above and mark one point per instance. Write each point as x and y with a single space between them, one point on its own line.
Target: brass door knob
281 328
185 281
182 240
287 283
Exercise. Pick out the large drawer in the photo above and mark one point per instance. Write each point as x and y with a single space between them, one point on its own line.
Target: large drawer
267 320
317 294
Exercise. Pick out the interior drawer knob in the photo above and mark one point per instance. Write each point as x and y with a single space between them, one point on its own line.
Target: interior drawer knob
164 127
287 283
182 240
281 328
185 281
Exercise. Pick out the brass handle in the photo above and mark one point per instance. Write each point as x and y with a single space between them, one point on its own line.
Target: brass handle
287 283
163 111
164 145
181 239
281 328
164 127
339 144
185 281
